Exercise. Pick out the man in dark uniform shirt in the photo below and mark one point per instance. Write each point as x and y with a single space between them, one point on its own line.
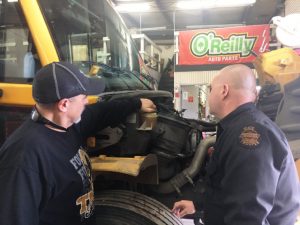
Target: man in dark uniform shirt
251 178
45 173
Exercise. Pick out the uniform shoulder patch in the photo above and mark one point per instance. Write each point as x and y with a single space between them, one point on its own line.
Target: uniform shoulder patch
249 136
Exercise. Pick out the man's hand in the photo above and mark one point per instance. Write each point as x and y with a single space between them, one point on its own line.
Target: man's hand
147 105
183 207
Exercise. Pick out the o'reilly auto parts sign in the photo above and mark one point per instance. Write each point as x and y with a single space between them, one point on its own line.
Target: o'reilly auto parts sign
223 45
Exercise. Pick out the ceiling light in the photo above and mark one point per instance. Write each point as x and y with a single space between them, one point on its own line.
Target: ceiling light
213 26
234 3
153 28
194 4
205 4
133 7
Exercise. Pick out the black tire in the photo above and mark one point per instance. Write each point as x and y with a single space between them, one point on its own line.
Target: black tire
118 207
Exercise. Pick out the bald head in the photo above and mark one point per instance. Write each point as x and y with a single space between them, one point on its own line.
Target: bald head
240 78
232 87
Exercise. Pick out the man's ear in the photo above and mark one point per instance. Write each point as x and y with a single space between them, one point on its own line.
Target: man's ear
63 105
225 91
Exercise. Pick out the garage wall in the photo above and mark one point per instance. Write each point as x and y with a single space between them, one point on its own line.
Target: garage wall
190 78
292 6
194 77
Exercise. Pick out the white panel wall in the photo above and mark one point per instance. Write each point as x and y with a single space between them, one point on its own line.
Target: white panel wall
292 6
191 77
194 77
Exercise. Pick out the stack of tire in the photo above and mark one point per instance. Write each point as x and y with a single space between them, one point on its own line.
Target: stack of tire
269 98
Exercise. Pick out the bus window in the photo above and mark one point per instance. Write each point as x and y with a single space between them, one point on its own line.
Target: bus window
18 57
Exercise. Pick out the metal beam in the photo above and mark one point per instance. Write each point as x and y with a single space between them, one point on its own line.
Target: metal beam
163 8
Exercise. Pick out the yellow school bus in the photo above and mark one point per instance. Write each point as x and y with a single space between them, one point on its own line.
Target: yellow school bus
92 35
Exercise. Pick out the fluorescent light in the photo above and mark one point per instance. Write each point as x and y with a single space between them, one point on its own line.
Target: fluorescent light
153 28
213 26
133 7
234 3
205 4
194 4
12 1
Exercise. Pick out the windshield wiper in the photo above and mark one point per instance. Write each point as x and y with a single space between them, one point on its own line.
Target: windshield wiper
137 75
121 71
121 75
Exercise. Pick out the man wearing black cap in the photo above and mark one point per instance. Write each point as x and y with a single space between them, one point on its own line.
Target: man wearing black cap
45 174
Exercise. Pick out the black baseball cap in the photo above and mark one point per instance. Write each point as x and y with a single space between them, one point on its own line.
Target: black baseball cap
59 80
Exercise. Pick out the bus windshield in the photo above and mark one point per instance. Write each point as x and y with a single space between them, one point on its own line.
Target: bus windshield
90 32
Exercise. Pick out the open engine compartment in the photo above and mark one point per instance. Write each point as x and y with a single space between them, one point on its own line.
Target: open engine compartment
177 143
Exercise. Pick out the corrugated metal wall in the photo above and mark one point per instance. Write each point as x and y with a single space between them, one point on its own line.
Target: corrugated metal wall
292 6
193 77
